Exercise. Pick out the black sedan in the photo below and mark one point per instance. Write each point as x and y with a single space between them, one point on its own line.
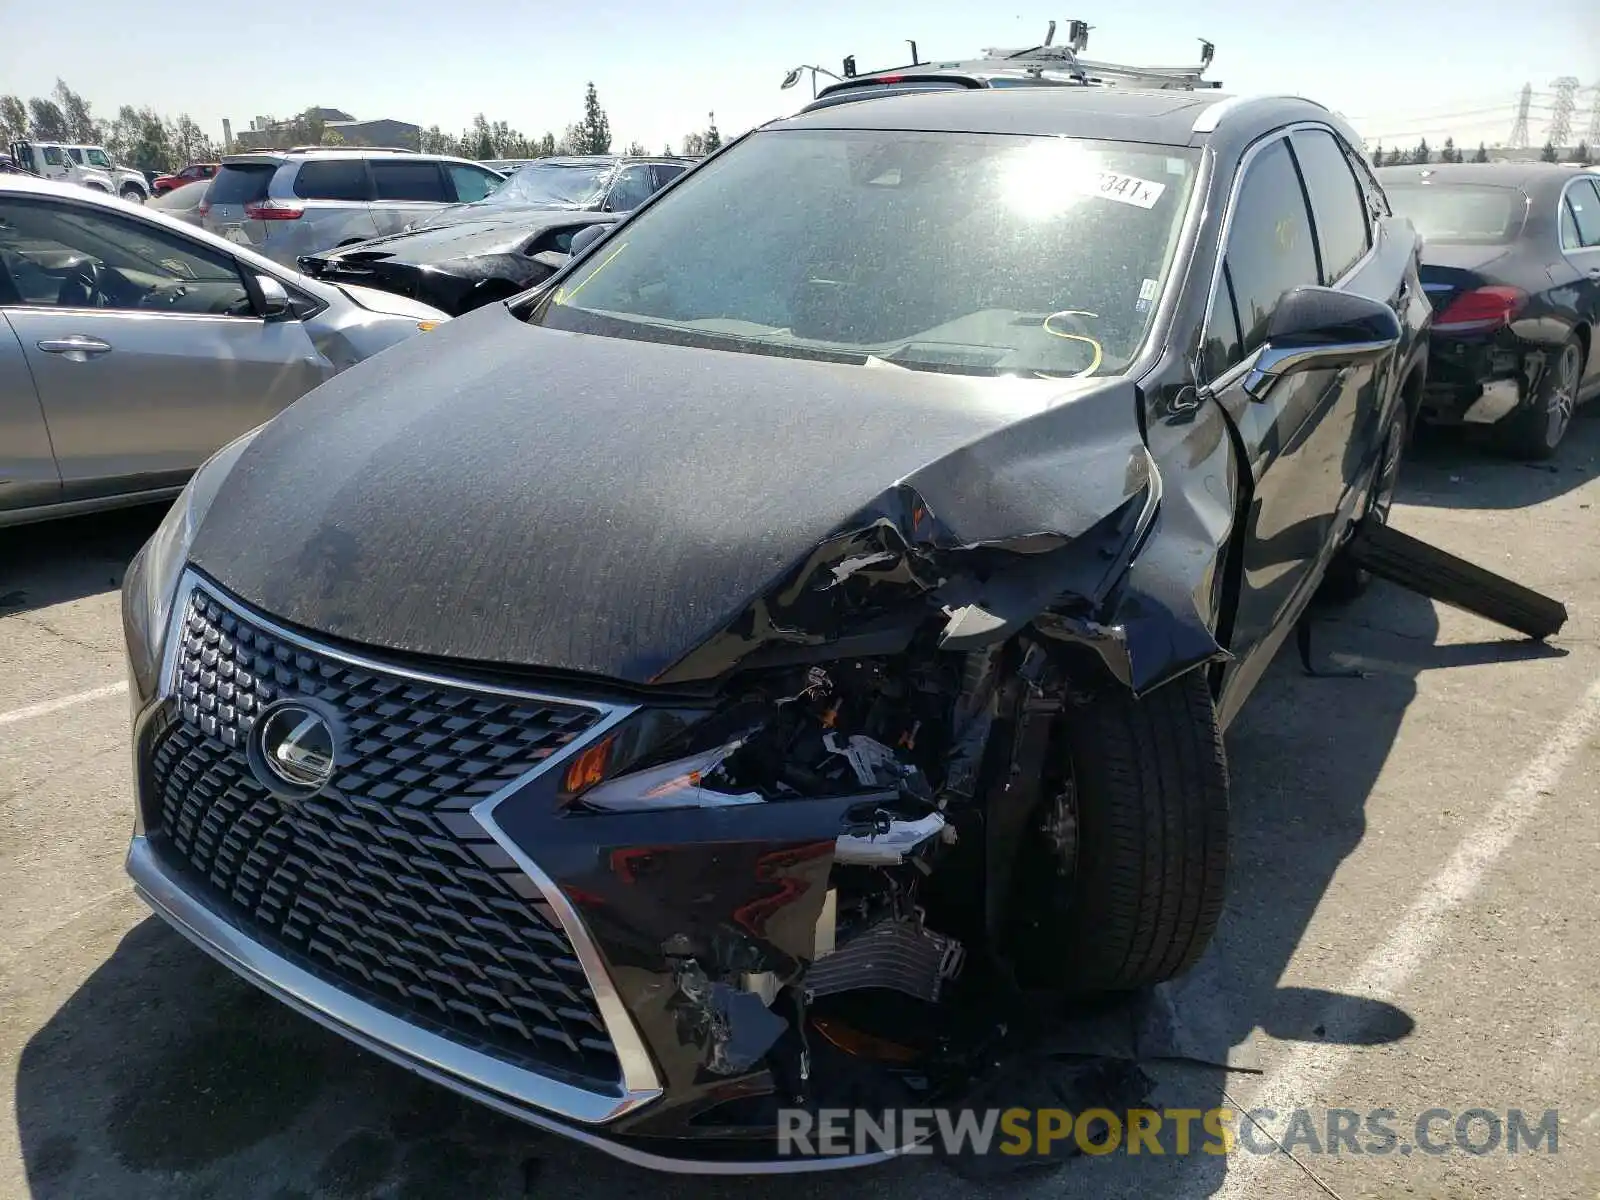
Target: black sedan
716 684
463 265
611 183
1512 266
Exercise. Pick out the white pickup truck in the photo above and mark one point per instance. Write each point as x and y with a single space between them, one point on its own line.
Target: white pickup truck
87 166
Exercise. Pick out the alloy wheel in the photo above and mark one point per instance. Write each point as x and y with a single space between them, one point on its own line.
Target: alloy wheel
1563 396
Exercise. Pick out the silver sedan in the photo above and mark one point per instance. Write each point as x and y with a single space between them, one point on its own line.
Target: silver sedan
133 346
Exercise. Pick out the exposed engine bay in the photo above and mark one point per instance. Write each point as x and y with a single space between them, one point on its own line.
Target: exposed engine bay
905 737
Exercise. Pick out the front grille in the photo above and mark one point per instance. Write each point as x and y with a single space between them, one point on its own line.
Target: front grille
382 883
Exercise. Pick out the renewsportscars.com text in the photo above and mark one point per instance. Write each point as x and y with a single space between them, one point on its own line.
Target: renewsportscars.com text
1172 1131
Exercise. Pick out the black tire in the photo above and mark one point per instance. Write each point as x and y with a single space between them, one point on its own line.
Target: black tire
132 195
1144 892
1461 584
1345 580
1535 430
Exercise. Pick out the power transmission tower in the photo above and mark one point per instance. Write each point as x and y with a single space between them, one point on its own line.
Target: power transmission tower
1519 131
1561 111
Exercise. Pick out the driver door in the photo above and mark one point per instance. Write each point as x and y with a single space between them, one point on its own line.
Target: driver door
144 345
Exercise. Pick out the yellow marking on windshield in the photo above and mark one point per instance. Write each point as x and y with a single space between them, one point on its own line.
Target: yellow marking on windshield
563 296
1099 352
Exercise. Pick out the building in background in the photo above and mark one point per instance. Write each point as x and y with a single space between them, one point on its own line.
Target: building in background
328 126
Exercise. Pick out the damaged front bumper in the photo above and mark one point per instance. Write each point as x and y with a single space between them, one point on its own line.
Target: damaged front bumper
630 979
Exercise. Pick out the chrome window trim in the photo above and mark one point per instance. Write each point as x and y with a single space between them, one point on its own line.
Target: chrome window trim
1231 207
366 1023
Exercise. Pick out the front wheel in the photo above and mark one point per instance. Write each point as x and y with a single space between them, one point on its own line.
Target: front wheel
1535 430
1123 883
132 195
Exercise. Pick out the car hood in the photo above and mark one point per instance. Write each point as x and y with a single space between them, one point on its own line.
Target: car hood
389 304
507 494
491 211
503 233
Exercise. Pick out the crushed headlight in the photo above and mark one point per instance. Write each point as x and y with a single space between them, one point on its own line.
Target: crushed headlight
152 579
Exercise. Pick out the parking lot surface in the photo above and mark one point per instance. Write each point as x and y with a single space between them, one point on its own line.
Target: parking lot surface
1412 922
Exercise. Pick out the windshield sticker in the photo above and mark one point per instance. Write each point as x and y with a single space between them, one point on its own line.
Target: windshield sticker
1125 189
1147 295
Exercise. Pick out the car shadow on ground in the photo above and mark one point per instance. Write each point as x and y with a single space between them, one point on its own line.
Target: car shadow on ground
1450 468
54 562
165 1076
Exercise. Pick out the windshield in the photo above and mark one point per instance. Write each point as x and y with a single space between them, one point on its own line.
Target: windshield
1463 213
970 253
552 184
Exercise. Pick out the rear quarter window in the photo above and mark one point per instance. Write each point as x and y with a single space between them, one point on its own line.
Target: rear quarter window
408 179
332 179
243 183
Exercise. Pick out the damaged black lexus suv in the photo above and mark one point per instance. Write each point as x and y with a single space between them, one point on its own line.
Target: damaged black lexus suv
721 679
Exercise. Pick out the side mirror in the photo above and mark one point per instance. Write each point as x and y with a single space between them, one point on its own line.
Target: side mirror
586 237
274 300
1319 329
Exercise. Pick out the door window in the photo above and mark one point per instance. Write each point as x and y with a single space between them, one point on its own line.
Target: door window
632 188
471 183
66 256
53 156
77 155
407 179
332 179
97 158
1270 250
666 173
1336 201
1584 204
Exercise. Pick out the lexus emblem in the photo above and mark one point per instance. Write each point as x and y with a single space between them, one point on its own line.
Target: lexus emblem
292 748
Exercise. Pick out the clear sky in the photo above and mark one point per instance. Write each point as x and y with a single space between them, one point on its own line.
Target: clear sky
1399 69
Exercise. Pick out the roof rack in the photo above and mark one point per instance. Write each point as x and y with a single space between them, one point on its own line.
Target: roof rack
1045 63
347 147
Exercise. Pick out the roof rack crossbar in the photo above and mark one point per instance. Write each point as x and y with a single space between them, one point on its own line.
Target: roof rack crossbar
1058 62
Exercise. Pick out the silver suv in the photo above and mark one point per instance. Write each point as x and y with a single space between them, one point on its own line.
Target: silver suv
285 203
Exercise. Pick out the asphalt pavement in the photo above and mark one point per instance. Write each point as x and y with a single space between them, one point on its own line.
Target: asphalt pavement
1412 924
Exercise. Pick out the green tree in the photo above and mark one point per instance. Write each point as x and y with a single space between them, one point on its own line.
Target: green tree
667 149
1422 154
330 137
1449 153
46 121
1482 154
636 149
190 143
713 135
81 125
571 141
1548 154
152 151
1581 154
594 131
13 118
1396 157
1377 156
545 146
